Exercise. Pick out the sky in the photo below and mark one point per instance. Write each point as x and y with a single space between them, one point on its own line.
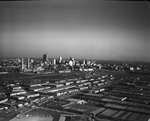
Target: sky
83 29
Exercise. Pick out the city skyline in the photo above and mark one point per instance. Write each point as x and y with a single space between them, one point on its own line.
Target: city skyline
83 29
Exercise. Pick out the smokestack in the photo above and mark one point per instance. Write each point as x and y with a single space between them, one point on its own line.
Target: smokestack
22 63
28 64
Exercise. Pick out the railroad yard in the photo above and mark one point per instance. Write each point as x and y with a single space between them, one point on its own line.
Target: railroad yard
90 96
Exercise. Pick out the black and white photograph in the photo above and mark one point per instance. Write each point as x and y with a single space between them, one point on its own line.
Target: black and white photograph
75 60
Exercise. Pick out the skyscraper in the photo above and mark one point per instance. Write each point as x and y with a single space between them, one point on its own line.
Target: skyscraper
54 61
70 63
44 57
73 60
60 59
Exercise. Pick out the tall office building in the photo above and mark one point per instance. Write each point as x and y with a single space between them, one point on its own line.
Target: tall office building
70 63
73 60
54 61
60 59
44 57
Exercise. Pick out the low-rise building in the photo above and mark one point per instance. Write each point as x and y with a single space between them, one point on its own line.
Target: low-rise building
3 100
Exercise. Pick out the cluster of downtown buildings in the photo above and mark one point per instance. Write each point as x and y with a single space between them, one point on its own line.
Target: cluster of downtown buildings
46 65
62 65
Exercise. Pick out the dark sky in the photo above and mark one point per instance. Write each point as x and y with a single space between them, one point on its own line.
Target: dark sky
90 29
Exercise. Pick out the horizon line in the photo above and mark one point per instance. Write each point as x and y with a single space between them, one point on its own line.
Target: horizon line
81 59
